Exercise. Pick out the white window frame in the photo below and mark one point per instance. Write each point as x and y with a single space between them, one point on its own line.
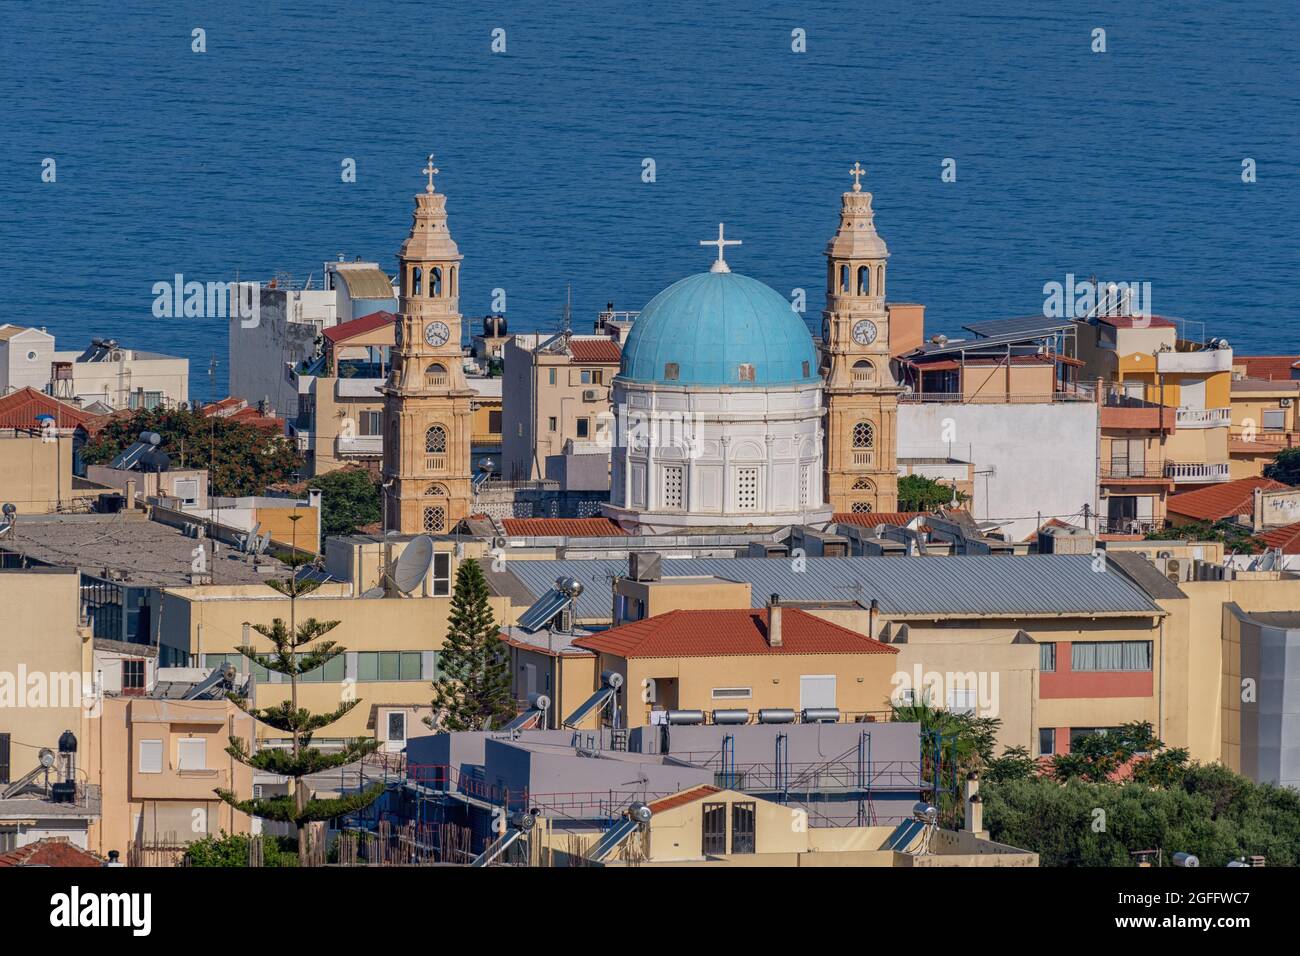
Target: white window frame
155 747
187 749
732 693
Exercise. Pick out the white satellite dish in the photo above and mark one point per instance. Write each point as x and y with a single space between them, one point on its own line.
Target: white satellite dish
413 566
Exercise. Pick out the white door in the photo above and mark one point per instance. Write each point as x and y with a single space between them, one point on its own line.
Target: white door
1191 393
396 732
816 690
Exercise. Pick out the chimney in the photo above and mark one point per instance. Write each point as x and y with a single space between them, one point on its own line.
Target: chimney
774 621
974 805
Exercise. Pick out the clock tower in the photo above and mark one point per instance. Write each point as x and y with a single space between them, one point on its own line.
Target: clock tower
427 415
861 394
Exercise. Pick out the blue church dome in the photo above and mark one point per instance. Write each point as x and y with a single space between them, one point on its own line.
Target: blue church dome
716 329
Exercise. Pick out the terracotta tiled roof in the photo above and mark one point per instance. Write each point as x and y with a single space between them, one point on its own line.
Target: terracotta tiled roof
238 410
872 518
1287 538
19 410
562 527
600 351
683 798
367 323
51 851
1222 501
1267 366
728 633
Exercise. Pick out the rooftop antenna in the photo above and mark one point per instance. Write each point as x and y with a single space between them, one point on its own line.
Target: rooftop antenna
568 309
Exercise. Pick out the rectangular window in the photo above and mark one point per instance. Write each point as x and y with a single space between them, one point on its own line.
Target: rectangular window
671 371
494 423
805 480
584 427
962 700
4 758
747 489
441 574
1078 733
1110 656
367 666
1047 657
732 693
742 827
1046 741
673 479
192 754
187 491
389 665
746 372
551 423
550 376
372 423
585 377
1274 419
151 756
133 676
332 671
240 663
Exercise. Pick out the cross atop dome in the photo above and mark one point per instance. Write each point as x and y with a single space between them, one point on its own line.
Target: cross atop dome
857 172
721 243
431 171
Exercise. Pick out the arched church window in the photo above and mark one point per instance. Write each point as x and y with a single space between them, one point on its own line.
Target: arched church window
435 373
863 484
844 280
864 280
435 440
417 280
435 283
880 280
455 277
864 435
435 491
864 373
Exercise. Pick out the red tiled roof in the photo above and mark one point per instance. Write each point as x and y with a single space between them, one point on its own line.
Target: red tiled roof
728 633
562 527
19 410
1268 367
355 327
51 851
237 410
683 798
872 518
600 351
1222 501
1287 538
1136 321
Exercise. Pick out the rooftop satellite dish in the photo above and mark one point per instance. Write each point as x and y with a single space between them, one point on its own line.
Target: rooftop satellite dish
413 566
373 593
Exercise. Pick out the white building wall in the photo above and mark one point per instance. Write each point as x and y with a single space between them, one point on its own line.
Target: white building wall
1029 459
25 361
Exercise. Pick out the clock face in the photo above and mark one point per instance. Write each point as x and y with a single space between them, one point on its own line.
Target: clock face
864 333
437 333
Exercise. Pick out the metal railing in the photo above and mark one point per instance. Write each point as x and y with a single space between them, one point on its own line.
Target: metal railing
1133 469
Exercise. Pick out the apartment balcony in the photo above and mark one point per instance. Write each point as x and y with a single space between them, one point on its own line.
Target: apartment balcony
435 463
360 446
1122 411
1205 362
1204 417
303 440
1197 472
864 458
1134 472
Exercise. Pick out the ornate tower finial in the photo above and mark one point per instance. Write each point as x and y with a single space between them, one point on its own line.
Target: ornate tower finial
720 242
431 170
856 172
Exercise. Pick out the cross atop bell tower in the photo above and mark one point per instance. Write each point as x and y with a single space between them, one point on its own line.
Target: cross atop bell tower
432 171
721 264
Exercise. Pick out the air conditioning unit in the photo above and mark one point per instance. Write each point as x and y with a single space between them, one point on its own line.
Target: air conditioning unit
590 395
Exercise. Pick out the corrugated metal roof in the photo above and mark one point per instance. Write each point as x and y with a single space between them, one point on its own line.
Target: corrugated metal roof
1040 584
367 282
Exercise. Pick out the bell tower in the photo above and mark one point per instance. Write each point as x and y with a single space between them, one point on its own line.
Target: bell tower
427 416
861 394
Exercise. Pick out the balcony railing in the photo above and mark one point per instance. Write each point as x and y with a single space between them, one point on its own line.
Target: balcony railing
1196 471
864 458
435 463
361 445
1133 469
1204 417
996 398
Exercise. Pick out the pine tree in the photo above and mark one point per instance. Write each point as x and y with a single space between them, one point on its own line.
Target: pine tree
473 692
298 807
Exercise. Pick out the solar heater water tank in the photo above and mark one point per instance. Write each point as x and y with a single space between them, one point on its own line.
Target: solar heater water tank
732 716
539 702
611 679
821 715
685 716
776 715
640 812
